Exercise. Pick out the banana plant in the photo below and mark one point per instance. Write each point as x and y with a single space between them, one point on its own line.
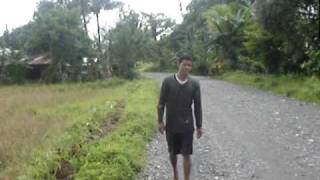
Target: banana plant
226 26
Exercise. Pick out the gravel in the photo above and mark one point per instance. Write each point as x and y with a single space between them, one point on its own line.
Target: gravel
248 134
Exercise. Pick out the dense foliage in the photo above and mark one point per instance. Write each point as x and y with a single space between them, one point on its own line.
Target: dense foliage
276 36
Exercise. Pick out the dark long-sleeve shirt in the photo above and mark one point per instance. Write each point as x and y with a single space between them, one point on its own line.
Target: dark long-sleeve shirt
177 99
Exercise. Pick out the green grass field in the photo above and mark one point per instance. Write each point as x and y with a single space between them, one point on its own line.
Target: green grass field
94 130
294 86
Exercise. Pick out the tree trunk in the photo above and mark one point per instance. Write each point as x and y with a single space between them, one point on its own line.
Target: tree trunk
2 69
84 16
85 22
99 37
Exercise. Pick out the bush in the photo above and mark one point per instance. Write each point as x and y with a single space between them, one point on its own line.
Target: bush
216 68
312 66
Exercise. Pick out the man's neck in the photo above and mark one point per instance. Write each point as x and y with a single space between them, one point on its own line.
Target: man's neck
181 76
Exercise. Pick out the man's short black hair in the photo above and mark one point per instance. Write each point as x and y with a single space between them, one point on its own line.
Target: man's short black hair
184 57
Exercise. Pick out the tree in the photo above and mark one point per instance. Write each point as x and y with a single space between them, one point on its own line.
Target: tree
96 7
295 23
3 55
226 24
57 32
11 69
84 6
127 43
158 25
17 38
192 35
261 52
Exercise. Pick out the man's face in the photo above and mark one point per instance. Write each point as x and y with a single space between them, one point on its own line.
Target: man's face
185 66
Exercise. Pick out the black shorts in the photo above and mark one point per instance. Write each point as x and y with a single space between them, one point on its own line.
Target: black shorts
180 143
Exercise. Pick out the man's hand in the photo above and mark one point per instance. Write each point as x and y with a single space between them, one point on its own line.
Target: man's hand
199 132
161 127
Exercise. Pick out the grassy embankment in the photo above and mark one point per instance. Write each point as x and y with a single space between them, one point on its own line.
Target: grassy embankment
94 130
293 86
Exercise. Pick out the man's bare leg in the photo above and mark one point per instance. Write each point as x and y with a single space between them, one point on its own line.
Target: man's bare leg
173 160
186 166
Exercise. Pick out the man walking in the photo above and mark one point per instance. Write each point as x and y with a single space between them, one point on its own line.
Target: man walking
178 92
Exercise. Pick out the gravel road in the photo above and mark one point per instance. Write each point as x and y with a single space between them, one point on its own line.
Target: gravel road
248 134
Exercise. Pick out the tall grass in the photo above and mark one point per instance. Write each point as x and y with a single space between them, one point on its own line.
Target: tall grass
119 155
33 116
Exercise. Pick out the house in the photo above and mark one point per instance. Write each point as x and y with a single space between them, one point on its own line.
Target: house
30 67
37 65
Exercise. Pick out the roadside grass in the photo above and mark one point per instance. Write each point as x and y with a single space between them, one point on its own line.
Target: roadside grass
294 86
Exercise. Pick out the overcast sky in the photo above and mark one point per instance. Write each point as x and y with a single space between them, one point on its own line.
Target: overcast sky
15 13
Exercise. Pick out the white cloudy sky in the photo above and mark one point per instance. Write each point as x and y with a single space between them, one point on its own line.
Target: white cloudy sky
15 13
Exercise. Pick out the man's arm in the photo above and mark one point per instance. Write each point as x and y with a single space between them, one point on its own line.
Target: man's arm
197 106
162 101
